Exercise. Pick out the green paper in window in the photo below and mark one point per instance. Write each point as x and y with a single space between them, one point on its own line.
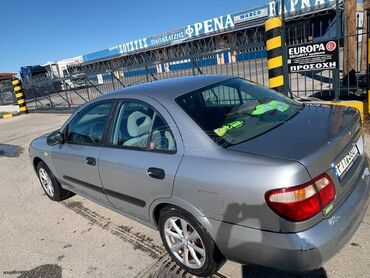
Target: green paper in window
221 131
272 105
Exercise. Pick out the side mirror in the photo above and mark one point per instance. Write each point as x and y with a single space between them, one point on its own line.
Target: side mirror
55 138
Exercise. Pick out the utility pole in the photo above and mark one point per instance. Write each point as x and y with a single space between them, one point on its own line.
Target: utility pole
367 9
349 55
363 68
284 50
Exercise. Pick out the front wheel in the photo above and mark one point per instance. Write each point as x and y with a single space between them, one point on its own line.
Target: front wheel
188 242
50 184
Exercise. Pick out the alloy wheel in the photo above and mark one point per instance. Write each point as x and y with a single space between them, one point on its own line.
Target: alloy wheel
184 242
46 182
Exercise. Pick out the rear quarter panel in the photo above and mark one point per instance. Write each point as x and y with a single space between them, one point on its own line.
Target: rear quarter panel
230 186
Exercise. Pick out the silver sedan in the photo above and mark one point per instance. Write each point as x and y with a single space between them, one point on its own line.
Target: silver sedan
222 167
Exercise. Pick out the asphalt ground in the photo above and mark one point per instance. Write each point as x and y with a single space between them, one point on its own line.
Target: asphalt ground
78 238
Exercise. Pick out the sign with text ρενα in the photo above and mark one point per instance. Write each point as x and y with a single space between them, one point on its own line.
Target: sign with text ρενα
313 56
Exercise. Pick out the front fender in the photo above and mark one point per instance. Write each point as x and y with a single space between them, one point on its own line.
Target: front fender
39 149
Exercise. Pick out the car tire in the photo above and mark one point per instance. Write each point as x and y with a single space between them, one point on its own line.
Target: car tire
192 243
50 184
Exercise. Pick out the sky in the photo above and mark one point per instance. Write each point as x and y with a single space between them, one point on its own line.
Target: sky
38 31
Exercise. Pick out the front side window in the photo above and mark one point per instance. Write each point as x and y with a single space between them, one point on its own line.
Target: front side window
236 110
139 126
88 126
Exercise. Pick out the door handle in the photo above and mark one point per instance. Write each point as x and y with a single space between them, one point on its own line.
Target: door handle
91 161
156 173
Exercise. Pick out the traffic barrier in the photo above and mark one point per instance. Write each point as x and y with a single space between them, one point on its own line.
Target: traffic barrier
17 84
7 116
273 31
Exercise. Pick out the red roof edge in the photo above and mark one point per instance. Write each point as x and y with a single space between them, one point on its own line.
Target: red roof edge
7 74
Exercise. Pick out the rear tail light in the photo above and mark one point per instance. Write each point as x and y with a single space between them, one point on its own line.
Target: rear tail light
326 190
304 201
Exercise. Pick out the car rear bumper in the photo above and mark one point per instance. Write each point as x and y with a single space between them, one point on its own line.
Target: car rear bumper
302 251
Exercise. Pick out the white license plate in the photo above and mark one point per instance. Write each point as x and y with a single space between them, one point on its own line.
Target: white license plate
345 164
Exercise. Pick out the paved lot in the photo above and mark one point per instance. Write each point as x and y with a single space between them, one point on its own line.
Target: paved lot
77 238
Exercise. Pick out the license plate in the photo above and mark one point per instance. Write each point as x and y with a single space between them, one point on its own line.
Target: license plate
345 164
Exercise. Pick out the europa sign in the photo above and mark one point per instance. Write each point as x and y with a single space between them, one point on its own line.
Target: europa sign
313 56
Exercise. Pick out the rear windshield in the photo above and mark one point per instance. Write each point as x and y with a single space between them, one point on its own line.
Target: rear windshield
236 110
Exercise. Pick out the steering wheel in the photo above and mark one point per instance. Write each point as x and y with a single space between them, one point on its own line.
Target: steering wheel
96 132
77 138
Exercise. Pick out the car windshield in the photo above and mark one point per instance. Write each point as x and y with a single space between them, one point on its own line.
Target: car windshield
236 110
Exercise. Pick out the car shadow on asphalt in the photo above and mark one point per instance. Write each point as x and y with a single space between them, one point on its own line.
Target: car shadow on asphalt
241 212
256 271
46 270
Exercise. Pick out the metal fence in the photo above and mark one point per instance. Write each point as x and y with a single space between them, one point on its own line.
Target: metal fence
7 95
239 53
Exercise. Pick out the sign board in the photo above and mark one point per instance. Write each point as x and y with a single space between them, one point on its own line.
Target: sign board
297 7
313 56
213 25
198 29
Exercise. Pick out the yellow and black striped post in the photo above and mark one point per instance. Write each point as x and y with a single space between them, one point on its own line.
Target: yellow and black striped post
273 33
17 84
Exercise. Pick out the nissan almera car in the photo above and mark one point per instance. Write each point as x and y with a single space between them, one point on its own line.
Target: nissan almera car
222 167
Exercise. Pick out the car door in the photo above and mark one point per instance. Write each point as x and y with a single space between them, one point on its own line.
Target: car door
75 161
140 162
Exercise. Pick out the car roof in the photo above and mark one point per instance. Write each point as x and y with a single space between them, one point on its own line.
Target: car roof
168 88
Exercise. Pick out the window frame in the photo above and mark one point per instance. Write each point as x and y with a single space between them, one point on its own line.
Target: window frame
106 126
113 121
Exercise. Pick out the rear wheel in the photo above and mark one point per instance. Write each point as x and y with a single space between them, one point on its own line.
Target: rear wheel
50 184
188 242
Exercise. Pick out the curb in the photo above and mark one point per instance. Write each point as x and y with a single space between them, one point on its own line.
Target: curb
6 116
9 115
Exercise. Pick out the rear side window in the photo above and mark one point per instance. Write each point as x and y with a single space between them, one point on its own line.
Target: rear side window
139 126
133 125
161 137
236 110
88 126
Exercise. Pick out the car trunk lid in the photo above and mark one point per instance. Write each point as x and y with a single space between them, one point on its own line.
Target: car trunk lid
318 137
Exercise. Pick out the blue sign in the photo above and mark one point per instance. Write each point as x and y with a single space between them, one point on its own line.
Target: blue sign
101 54
213 25
202 28
167 38
251 15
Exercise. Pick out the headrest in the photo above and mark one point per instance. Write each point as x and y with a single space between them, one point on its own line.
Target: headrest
138 124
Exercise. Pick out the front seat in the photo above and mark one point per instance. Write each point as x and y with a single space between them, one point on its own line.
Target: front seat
138 127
